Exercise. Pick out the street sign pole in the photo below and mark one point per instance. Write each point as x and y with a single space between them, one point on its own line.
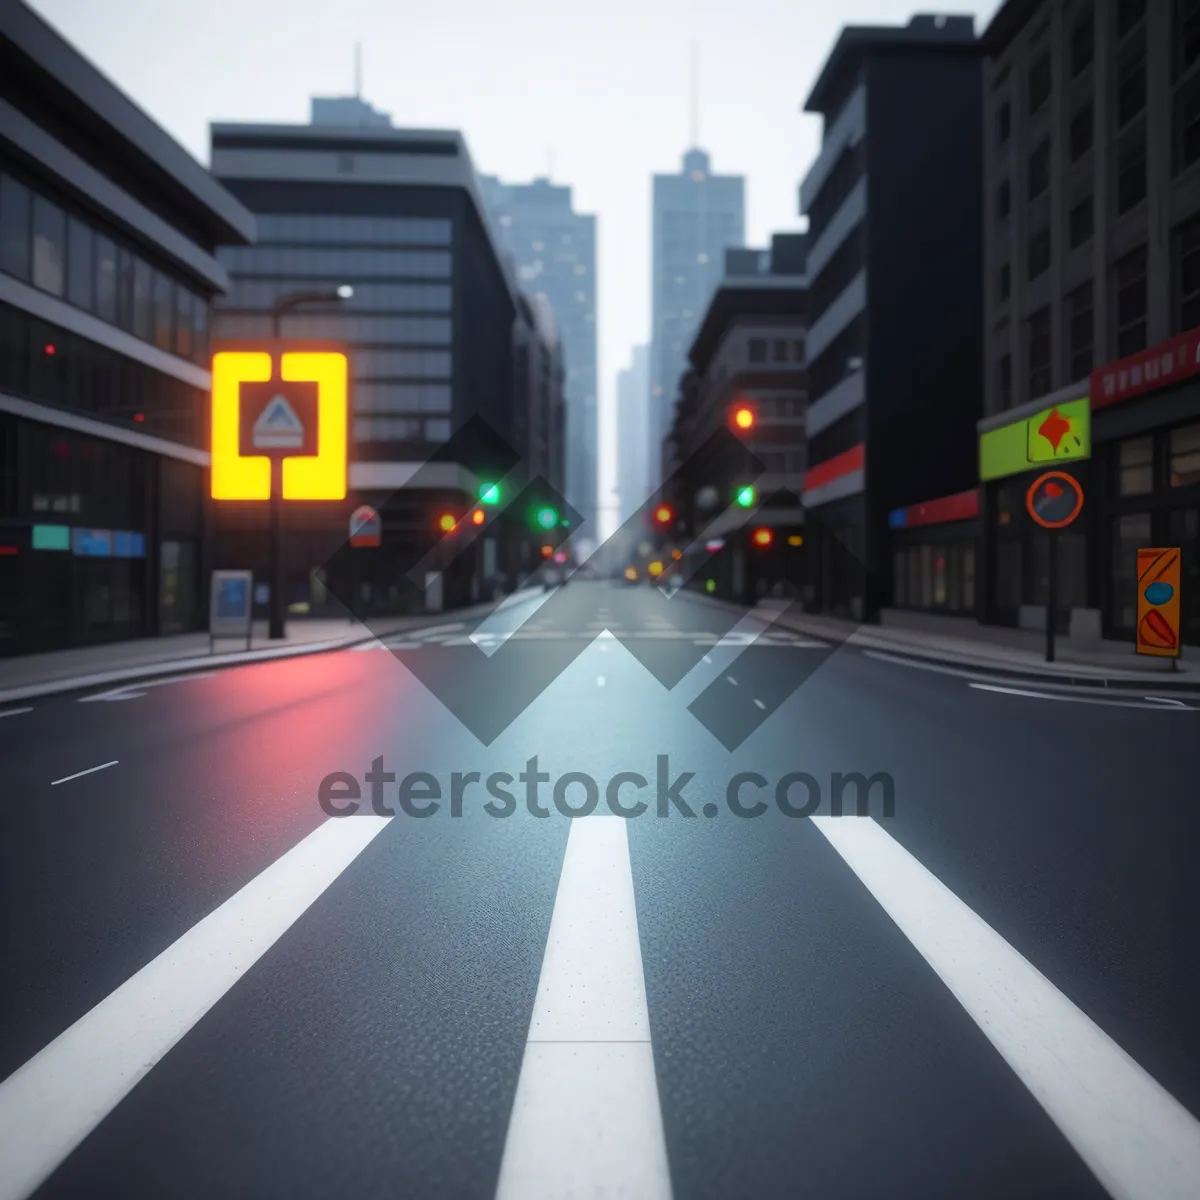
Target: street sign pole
278 619
1052 597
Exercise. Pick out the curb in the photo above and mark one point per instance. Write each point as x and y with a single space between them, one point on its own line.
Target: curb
235 658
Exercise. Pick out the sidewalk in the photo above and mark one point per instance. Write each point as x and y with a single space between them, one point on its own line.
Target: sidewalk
30 675
964 643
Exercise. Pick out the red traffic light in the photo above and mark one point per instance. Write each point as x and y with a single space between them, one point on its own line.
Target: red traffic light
762 537
664 514
743 417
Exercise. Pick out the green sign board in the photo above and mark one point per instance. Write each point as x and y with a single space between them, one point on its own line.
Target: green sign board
1062 433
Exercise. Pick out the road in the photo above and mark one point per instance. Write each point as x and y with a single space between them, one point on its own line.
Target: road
212 987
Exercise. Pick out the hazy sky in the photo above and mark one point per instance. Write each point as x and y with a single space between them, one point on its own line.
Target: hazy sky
600 89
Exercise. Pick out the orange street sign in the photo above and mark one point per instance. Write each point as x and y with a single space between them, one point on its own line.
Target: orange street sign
1158 602
312 476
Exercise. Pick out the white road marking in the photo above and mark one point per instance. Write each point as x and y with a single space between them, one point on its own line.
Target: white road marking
437 630
1075 698
1140 1142
731 680
80 774
133 691
48 1106
586 1119
15 712
1158 699
760 704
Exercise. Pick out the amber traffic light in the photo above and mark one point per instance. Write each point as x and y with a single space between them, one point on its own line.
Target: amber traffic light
743 418
664 514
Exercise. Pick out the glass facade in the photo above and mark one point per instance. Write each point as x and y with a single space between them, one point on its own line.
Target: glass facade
933 568
397 324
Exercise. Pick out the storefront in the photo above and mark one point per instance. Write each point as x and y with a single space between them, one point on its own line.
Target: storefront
933 555
1146 432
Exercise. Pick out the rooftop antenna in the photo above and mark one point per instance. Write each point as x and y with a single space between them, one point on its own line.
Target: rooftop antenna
358 70
695 89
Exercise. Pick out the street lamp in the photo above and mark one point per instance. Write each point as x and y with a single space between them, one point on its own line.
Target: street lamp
278 611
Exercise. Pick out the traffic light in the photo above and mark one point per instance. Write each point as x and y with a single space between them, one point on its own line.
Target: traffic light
762 537
655 569
489 493
796 540
447 522
477 516
745 496
546 517
547 551
743 418
664 514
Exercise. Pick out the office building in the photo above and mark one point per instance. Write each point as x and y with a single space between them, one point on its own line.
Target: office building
633 433
108 237
552 250
540 411
697 216
347 112
1091 205
895 295
747 373
397 215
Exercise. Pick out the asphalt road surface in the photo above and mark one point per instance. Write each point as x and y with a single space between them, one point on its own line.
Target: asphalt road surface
982 983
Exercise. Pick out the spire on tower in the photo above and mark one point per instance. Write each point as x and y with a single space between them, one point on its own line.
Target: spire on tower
694 130
358 70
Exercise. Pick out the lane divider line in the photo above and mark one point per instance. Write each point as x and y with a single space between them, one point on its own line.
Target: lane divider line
586 1119
1137 1139
1072 698
81 774
48 1106
15 712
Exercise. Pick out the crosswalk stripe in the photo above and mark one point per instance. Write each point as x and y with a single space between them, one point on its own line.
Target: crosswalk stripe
586 1119
48 1106
1139 1141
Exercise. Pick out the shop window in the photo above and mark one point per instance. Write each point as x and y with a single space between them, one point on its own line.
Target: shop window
926 553
1131 303
15 204
968 578
49 246
1185 456
899 580
1009 573
938 555
1130 532
1184 530
1038 342
1187 277
1135 466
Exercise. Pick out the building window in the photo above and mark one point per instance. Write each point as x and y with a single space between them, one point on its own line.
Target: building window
1003 122
1187 286
143 299
1130 533
106 280
1187 35
758 350
1079 332
164 312
1129 13
1080 137
1004 380
1187 124
183 322
1082 38
79 263
1005 282
437 430
1039 252
1131 85
781 350
1185 456
1131 175
1003 200
124 288
1040 81
15 204
1038 333
49 246
1135 466
1080 222
1131 303
797 351
1039 169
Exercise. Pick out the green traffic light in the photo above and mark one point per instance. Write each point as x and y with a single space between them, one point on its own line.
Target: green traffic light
745 497
547 518
489 493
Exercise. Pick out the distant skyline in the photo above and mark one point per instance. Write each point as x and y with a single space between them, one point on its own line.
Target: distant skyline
601 91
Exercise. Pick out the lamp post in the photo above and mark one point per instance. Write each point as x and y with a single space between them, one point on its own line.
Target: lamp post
277 625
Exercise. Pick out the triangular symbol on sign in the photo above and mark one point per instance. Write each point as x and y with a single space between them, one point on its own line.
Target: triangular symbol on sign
277 426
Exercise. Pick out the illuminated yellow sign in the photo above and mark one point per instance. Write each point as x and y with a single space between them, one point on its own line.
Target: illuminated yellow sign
320 476
1061 433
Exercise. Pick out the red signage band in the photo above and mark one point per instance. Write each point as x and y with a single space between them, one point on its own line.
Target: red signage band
962 506
1162 365
834 468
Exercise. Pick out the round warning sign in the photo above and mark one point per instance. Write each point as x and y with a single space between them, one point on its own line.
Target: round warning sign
1054 499
365 527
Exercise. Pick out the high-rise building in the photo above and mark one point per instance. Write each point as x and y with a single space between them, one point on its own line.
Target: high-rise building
552 250
431 329
108 265
894 267
348 111
633 433
697 217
